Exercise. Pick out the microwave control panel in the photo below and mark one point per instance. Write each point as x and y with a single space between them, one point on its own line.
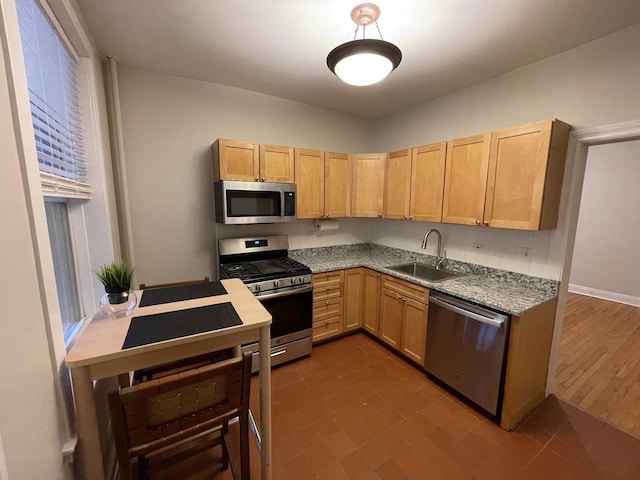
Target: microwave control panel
289 204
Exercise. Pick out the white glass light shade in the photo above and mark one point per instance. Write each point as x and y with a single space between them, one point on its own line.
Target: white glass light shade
364 62
363 69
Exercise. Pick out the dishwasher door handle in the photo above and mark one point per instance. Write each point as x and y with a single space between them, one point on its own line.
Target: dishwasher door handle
496 320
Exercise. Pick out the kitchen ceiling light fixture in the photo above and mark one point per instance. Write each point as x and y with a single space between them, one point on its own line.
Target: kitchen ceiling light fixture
365 61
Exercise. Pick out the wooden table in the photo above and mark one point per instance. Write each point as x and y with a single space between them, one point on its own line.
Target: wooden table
97 353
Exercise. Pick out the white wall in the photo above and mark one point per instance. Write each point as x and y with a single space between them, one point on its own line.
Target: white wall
595 84
31 423
169 125
605 257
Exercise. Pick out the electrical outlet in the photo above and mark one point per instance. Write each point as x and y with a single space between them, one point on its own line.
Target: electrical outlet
525 254
478 246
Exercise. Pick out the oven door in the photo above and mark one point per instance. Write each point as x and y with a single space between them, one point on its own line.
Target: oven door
291 314
291 326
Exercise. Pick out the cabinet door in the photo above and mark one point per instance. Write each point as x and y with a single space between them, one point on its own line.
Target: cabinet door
276 164
309 175
524 173
427 182
235 160
337 185
397 185
466 180
353 288
414 330
371 301
368 175
391 312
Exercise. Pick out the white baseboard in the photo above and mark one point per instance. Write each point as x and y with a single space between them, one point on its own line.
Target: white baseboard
605 295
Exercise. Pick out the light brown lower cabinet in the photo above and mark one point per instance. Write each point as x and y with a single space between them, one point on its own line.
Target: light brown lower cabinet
353 289
337 303
371 301
328 305
396 311
403 317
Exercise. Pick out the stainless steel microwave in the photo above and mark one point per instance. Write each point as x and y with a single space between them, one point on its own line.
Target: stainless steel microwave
254 202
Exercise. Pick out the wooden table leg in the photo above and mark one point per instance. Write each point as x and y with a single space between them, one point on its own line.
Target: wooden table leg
89 454
265 402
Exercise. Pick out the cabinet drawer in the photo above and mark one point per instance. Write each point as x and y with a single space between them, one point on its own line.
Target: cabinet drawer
328 278
327 328
324 309
407 289
327 292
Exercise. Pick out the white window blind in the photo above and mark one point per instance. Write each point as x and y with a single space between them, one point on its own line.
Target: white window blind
55 107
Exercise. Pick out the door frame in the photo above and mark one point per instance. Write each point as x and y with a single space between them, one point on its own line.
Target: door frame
579 142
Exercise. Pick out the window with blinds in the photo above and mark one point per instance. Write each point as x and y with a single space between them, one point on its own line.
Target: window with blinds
52 80
55 108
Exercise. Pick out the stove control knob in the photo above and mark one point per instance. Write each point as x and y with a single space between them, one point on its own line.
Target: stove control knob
276 283
258 288
301 279
293 280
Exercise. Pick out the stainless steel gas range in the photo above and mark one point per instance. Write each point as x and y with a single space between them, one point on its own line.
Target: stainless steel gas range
282 285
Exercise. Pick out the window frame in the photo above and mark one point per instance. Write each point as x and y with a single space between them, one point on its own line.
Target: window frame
95 227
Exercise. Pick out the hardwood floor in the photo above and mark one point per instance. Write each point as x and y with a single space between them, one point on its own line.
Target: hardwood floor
599 360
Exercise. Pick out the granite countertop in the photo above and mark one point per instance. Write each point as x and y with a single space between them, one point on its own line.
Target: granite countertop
507 292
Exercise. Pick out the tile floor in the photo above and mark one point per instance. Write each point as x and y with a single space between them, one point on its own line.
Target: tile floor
354 410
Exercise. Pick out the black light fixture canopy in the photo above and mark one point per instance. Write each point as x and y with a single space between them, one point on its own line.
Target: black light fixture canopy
365 61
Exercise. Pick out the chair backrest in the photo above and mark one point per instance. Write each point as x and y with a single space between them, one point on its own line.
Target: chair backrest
160 412
144 286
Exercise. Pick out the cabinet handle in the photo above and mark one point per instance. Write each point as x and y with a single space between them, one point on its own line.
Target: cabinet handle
379 215
485 223
410 217
257 179
477 222
327 302
263 179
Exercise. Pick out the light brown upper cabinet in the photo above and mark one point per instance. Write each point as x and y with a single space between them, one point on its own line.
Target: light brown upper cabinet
250 162
323 181
509 178
309 168
526 166
276 164
397 185
367 184
337 185
414 182
465 180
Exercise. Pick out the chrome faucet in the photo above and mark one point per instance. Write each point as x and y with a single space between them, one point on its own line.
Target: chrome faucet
440 258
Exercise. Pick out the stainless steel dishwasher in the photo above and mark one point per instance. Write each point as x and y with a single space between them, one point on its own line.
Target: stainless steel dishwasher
466 346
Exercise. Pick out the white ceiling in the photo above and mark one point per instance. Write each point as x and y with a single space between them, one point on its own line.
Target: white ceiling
279 47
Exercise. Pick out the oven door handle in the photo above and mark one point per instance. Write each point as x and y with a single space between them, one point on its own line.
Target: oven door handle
285 293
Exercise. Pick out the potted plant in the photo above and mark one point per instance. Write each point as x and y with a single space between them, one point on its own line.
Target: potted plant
116 277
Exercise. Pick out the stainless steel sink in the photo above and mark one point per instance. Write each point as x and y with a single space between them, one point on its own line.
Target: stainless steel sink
425 272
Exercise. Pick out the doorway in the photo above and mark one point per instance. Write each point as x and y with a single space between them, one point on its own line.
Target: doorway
598 363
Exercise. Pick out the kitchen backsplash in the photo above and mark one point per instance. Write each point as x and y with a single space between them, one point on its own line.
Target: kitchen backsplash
513 250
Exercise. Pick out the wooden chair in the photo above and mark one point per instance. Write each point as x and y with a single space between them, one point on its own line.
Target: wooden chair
185 409
144 286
